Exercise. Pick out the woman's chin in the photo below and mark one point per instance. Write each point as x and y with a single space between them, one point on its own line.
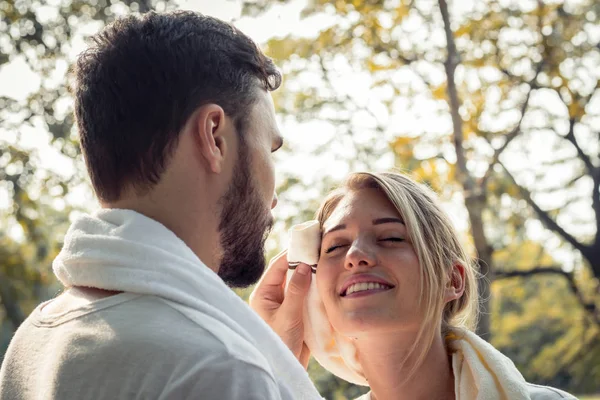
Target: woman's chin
371 312
365 321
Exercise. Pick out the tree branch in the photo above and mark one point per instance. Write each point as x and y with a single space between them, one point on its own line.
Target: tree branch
596 205
378 127
512 134
562 186
379 48
593 171
544 217
452 61
589 307
474 196
501 274
584 157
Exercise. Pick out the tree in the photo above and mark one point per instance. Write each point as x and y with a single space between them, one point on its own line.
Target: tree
540 325
41 39
492 103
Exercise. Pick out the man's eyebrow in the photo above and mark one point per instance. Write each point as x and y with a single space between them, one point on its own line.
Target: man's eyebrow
279 143
388 220
335 228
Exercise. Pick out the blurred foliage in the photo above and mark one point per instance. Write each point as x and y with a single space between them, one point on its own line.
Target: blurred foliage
541 324
526 79
41 38
513 138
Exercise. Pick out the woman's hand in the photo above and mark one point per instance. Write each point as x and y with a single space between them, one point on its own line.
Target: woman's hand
283 309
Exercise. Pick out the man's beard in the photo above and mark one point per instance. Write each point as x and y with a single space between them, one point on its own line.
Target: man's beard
244 227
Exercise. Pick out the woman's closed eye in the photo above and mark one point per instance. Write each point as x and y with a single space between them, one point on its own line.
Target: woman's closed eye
333 248
392 239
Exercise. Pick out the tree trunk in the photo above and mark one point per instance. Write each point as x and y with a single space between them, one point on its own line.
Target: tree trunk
474 195
475 206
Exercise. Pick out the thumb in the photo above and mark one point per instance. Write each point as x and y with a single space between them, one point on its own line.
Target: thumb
296 292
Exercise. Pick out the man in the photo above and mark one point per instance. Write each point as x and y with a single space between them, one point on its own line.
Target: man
176 127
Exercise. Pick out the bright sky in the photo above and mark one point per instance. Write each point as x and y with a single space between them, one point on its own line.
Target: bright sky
18 81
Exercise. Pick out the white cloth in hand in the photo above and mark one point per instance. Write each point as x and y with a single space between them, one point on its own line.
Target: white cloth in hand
335 353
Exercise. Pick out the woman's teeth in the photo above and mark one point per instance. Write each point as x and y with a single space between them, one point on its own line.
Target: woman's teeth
360 287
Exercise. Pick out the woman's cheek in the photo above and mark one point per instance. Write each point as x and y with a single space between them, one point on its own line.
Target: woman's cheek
324 278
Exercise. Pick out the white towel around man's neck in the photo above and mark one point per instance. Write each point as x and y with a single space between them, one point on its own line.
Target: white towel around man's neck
481 372
122 250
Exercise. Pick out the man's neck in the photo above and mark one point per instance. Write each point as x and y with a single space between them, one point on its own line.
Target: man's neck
384 363
195 225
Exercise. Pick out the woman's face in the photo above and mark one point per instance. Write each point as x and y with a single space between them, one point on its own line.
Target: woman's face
368 272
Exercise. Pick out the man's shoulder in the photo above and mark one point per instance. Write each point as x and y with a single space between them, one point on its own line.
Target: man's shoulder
192 345
140 342
539 392
153 321
127 325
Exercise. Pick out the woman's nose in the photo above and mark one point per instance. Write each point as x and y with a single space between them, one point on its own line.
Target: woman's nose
359 255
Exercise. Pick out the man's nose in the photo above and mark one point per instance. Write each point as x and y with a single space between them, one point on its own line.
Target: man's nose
274 202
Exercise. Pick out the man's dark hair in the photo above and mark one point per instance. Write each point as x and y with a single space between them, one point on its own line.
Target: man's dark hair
141 80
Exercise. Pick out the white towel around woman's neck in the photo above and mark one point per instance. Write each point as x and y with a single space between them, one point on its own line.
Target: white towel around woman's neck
481 372
122 250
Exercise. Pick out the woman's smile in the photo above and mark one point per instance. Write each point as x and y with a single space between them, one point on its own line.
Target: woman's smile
359 285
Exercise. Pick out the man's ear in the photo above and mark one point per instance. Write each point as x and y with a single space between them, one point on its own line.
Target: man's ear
455 287
210 128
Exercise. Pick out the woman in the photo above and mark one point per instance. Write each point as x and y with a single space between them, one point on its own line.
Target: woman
395 281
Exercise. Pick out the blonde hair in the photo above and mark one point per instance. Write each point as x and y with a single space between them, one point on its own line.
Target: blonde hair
435 241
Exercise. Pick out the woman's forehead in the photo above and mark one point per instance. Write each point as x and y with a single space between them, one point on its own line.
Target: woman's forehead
361 204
